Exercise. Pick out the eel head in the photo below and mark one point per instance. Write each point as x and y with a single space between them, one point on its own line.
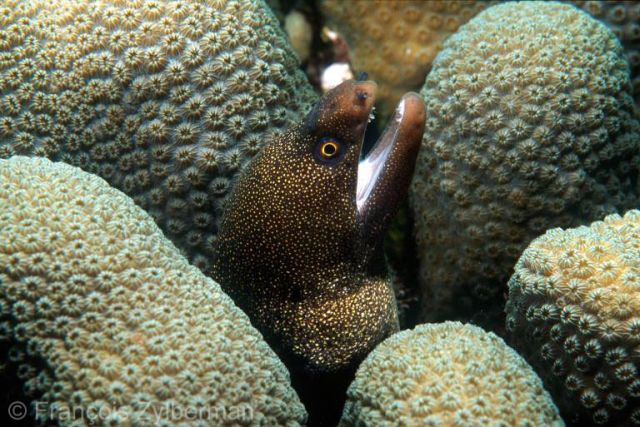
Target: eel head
299 247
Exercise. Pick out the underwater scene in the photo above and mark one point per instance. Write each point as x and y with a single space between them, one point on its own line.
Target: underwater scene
319 213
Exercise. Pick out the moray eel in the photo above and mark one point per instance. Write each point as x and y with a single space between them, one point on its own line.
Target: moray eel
300 243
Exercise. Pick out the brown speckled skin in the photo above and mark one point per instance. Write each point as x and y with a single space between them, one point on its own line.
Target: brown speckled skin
295 253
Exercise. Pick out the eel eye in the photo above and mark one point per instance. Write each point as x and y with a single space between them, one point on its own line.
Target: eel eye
328 150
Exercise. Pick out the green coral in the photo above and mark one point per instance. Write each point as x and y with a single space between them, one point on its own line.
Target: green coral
166 100
99 312
447 374
623 17
574 312
531 126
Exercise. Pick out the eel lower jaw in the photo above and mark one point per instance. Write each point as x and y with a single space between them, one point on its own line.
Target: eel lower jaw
385 173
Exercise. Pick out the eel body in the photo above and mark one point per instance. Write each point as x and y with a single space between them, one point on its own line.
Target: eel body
300 244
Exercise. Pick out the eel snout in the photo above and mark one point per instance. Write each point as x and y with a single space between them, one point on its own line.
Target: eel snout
385 173
345 111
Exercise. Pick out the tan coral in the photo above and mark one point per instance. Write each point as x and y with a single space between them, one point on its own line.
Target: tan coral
100 314
395 41
166 100
530 126
447 374
574 312
300 33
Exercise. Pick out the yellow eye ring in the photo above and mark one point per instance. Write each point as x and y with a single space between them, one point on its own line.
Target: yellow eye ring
329 149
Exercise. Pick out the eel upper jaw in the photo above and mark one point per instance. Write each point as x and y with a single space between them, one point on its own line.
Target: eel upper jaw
385 173
343 112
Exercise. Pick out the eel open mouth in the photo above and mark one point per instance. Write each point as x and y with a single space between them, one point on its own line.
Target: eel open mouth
385 173
382 178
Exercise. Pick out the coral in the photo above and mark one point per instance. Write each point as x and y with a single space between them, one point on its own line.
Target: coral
574 312
99 310
167 101
300 33
530 127
623 17
447 374
395 41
